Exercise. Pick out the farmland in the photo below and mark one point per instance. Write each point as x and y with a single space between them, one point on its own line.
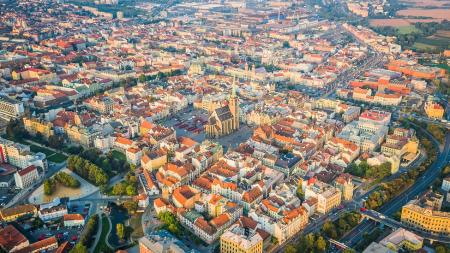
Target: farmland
431 13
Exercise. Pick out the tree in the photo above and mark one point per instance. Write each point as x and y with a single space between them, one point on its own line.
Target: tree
286 44
300 193
120 231
321 244
131 190
329 229
48 187
309 240
441 249
142 78
55 141
79 248
290 249
131 206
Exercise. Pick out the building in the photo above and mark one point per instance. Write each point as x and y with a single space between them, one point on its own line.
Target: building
434 110
53 210
26 177
18 212
402 239
424 214
12 240
162 242
446 184
240 239
328 197
224 120
73 220
36 126
10 108
20 155
375 247
46 245
345 184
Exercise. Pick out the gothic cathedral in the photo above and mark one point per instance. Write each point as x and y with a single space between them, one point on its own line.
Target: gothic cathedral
224 120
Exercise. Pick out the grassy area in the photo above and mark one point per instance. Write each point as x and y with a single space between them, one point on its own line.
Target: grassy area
101 245
407 29
36 149
57 158
135 224
420 45
119 155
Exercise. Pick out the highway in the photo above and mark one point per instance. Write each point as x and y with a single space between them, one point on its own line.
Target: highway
421 184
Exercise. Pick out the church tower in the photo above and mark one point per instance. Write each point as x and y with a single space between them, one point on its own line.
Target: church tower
234 105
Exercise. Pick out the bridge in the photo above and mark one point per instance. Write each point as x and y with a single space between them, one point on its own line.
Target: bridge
389 222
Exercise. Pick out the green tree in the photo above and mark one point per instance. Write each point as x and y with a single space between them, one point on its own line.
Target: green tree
131 190
329 229
79 248
290 249
55 141
120 231
48 187
321 244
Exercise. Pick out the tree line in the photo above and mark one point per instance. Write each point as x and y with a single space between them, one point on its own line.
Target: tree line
87 170
87 236
363 169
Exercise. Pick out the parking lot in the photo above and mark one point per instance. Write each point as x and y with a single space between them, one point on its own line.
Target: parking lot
59 231
189 122
6 194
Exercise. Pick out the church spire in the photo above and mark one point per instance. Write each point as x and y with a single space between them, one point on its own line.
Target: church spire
233 88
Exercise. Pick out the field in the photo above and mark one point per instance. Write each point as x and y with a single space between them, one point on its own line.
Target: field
432 13
420 45
427 3
119 155
408 29
400 22
51 156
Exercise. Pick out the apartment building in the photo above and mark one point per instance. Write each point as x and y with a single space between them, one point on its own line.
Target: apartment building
424 214
19 155
10 108
240 239
37 126
328 197
26 177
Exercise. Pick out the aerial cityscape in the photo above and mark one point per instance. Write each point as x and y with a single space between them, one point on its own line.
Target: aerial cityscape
224 126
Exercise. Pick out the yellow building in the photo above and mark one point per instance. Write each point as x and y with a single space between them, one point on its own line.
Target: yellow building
402 239
434 110
14 213
154 159
426 219
345 184
241 240
35 126
224 120
328 196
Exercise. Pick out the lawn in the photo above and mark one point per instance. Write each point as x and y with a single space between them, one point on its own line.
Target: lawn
57 158
407 29
36 149
119 155
102 241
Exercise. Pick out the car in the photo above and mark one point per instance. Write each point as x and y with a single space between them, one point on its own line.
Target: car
363 209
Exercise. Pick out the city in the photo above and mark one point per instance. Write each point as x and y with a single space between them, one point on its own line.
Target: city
231 126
